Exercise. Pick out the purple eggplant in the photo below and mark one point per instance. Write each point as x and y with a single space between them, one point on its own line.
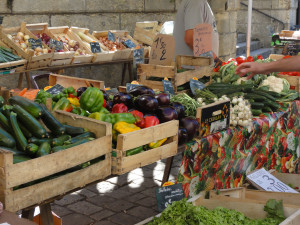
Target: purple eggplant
163 99
122 98
166 113
80 91
109 105
141 90
179 109
182 136
191 125
146 103
105 95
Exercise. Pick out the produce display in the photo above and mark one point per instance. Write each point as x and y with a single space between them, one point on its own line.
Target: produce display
87 40
6 55
112 45
46 40
72 45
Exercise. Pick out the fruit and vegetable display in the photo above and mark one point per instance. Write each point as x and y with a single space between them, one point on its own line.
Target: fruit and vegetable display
183 212
46 40
118 44
71 45
87 40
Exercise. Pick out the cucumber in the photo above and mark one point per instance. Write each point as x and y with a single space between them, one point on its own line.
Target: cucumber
20 158
274 94
31 107
256 112
73 131
60 140
44 149
265 94
63 147
273 105
39 141
30 122
32 149
257 105
20 138
80 137
53 124
255 97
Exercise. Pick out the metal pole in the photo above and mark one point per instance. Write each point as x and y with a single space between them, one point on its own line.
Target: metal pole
249 26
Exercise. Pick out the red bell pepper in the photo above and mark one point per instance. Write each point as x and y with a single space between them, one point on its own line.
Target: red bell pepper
119 108
104 103
139 118
151 121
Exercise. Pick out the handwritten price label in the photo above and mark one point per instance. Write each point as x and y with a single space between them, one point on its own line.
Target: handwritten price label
162 50
202 39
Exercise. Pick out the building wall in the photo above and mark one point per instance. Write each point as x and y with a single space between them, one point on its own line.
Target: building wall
100 15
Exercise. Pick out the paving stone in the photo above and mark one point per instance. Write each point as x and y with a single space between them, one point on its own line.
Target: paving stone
141 212
119 180
118 205
150 192
85 192
77 219
145 182
84 207
148 201
160 166
101 200
69 199
102 214
102 187
134 197
119 193
59 210
145 172
124 219
105 222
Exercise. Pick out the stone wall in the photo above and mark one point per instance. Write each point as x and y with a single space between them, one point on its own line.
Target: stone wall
100 15
262 26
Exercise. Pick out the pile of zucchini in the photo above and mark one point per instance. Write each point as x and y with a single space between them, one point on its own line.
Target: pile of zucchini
6 55
27 138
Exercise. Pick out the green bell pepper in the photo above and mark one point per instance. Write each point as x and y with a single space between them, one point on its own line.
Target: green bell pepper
70 90
79 111
91 100
42 96
124 117
135 151
101 116
62 103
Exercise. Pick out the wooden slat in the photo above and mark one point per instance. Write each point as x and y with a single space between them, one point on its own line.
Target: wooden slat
61 62
144 36
156 70
153 84
193 61
292 220
14 63
147 135
184 77
288 178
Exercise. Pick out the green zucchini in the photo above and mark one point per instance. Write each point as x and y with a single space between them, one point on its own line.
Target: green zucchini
20 158
63 147
257 105
53 124
73 131
34 126
20 138
273 105
32 149
6 139
256 112
5 123
31 107
80 137
265 94
39 141
257 98
60 140
25 131
44 149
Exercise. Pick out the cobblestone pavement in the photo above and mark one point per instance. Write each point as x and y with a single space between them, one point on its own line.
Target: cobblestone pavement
121 200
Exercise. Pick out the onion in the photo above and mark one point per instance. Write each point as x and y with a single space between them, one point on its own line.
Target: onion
21 35
26 37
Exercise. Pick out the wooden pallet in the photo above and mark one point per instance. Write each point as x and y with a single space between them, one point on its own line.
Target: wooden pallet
145 32
33 62
253 210
13 175
63 31
145 71
75 82
59 58
122 164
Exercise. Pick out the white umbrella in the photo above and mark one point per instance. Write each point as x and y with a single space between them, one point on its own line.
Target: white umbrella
249 26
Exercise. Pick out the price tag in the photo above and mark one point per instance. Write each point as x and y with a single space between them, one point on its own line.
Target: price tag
131 86
168 87
111 36
58 45
166 195
139 56
265 181
95 47
1 19
195 84
57 88
202 39
34 43
129 44
162 50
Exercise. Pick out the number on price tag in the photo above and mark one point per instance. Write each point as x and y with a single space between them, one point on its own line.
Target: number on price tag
202 39
95 47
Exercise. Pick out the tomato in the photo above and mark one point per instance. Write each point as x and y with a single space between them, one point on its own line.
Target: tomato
239 60
260 57
250 59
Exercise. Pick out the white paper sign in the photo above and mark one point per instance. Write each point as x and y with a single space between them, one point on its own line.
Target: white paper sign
268 182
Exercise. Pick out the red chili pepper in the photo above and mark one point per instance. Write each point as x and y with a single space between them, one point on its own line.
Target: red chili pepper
186 189
139 118
104 103
119 108
71 95
151 121
260 57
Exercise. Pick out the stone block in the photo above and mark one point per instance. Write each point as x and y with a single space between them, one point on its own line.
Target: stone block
227 43
148 202
233 21
159 5
101 200
118 205
84 207
233 5
86 193
69 199
218 5
102 187
104 222
3 7
103 214
282 15
141 212
258 18
14 21
223 22
114 5
262 5
281 4
46 6
59 210
124 219
77 219
95 22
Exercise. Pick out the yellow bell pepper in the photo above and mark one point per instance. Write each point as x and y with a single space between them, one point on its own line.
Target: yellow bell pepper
74 101
157 144
123 127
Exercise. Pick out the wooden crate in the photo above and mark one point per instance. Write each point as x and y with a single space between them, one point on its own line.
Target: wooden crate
293 80
122 164
13 175
59 58
276 56
145 32
75 82
104 56
145 71
253 210
63 31
33 62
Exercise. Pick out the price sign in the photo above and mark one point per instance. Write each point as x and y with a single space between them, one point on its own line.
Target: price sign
34 43
129 44
265 181
139 56
166 195
168 87
95 47
58 45
131 86
162 50
195 84
202 39
111 36
57 88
